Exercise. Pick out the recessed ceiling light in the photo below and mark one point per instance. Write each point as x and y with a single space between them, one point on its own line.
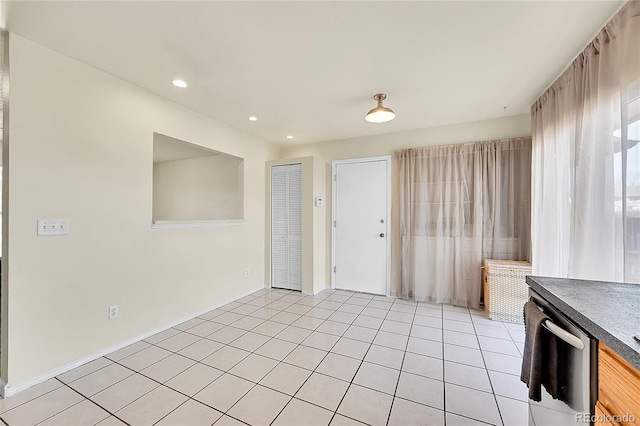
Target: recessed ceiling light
179 83
252 118
289 137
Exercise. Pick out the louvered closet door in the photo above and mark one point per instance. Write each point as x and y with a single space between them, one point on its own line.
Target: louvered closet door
286 226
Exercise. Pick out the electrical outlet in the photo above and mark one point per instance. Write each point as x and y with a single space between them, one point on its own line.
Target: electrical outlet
113 311
246 273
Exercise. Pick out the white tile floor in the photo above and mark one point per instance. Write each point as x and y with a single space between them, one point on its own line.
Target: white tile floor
278 358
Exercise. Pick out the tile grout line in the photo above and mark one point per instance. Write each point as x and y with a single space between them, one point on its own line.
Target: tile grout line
388 310
188 399
444 387
395 391
162 384
444 377
28 401
86 399
487 372
335 411
120 381
314 371
358 369
63 385
315 330
225 413
280 361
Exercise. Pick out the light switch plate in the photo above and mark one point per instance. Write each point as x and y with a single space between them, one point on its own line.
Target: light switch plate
53 227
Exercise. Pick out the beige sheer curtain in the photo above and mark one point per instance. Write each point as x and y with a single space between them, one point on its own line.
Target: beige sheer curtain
586 161
453 206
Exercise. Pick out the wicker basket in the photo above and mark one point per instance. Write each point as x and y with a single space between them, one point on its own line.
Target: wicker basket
505 289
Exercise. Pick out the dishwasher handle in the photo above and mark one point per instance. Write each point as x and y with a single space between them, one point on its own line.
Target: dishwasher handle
563 334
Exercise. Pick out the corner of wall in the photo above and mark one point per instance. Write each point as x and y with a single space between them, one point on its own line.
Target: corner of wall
4 284
319 225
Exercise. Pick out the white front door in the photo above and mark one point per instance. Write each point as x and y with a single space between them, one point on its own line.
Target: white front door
361 206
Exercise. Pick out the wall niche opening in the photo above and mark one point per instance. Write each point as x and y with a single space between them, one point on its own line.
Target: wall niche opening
195 185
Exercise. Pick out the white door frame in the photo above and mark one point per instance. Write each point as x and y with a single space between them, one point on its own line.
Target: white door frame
334 163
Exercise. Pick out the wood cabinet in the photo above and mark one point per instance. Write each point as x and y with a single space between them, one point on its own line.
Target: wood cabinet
604 417
618 390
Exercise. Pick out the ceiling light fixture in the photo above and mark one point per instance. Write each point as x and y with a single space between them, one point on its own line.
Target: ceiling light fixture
380 114
289 137
252 118
179 83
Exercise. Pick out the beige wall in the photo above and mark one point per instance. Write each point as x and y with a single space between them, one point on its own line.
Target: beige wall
313 222
385 144
80 148
204 188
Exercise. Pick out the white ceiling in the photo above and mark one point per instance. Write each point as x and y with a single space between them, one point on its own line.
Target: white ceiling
310 69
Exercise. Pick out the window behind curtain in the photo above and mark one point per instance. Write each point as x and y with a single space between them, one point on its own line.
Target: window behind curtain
626 166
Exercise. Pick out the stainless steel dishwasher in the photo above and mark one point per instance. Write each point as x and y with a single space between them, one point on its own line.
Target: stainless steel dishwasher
581 366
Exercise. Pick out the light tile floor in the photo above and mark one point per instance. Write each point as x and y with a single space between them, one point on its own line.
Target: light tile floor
279 358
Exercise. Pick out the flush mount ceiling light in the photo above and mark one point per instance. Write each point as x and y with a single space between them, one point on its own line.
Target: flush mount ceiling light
179 83
289 137
252 118
380 114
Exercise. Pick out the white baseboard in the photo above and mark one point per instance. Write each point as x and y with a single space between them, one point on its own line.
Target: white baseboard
314 292
8 389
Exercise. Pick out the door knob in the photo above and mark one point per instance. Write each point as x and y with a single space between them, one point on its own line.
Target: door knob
382 235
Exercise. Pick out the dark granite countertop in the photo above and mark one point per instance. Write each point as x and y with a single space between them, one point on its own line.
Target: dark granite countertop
608 311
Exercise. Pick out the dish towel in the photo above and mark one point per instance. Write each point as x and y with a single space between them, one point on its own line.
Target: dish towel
540 362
